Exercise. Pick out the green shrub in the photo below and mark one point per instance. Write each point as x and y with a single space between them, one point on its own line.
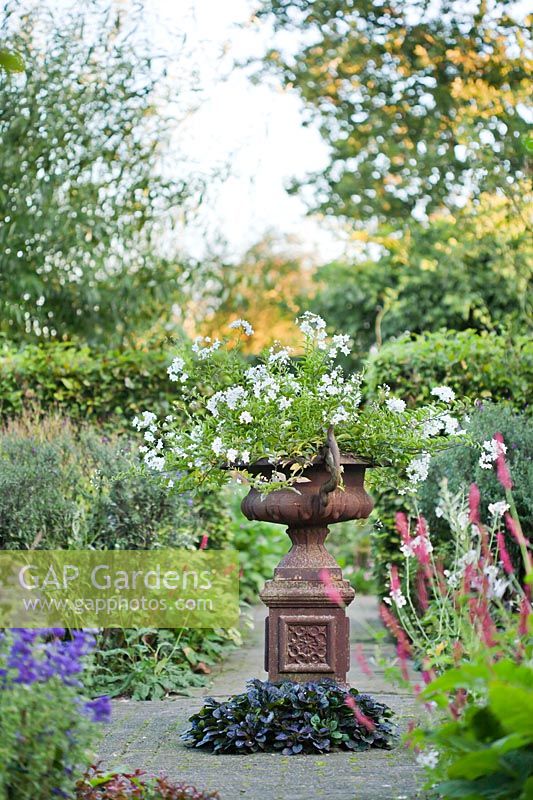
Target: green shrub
487 753
260 545
85 383
87 491
459 466
476 365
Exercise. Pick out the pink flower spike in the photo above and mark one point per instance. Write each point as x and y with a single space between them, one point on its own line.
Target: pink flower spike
421 589
515 530
473 503
525 612
402 526
361 660
204 542
421 526
395 584
502 470
361 718
330 590
504 554
402 657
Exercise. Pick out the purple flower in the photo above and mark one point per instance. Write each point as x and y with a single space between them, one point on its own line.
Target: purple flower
99 709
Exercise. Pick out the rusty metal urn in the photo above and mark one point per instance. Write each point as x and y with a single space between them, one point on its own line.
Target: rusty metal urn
307 633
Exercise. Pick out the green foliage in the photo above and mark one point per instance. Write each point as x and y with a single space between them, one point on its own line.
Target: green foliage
415 107
110 386
11 61
486 754
260 545
469 270
87 490
83 198
291 718
350 545
152 663
459 467
115 785
482 366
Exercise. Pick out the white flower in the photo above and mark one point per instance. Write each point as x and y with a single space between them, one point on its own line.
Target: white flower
498 509
144 421
340 415
498 588
470 557
153 460
451 425
428 758
231 455
149 437
396 597
243 325
342 342
282 355
314 327
395 404
284 402
245 456
245 417
431 427
491 449
205 352
176 370
170 483
444 393
418 469
212 404
233 395
217 446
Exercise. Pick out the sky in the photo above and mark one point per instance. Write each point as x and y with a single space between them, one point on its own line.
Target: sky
250 134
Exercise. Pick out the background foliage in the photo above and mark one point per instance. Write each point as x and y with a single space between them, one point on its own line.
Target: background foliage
83 195
417 105
486 366
470 269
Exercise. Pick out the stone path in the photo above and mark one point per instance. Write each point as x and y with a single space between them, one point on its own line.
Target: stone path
147 735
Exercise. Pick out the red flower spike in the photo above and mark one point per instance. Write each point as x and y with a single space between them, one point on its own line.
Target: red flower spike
502 470
473 503
504 554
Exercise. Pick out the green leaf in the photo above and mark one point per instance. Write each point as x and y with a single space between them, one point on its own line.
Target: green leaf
11 61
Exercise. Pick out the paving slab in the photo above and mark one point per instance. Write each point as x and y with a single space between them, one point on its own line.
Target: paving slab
146 734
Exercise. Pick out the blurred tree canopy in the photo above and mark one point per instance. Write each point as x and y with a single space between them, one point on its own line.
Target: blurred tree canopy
82 196
418 102
265 287
471 269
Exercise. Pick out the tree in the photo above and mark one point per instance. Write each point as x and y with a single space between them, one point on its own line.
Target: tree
264 287
468 270
82 196
417 103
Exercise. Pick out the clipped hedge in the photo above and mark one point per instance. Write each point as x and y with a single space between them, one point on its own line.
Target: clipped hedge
85 383
487 366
